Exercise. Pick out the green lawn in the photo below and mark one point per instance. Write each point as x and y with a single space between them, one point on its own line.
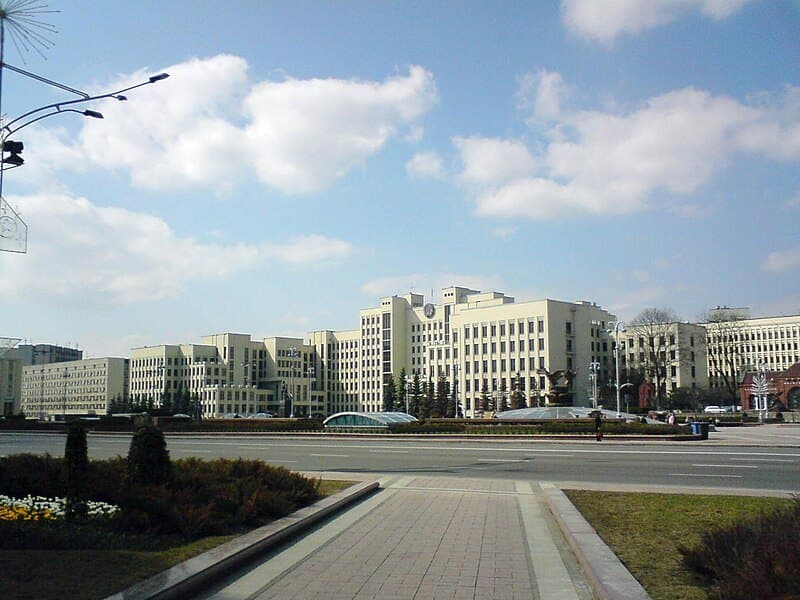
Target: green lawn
645 530
89 574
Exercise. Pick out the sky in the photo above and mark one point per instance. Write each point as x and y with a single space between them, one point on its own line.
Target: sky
306 158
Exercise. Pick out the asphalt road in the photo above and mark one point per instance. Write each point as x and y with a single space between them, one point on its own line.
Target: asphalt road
718 463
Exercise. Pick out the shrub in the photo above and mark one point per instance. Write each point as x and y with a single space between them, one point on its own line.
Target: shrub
148 457
23 474
760 554
76 466
427 427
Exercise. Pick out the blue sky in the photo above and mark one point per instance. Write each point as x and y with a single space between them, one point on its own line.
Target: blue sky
306 158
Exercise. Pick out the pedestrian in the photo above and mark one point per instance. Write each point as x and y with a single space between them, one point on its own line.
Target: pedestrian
598 426
671 419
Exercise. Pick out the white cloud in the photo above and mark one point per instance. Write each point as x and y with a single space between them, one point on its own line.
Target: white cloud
82 253
423 283
425 165
208 126
782 260
543 92
491 160
415 134
604 21
594 162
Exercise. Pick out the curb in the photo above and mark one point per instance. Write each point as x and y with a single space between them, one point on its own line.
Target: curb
609 578
199 571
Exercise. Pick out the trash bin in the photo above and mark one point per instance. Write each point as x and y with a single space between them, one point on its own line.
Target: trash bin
699 428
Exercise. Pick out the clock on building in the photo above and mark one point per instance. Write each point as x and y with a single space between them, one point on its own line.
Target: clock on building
429 310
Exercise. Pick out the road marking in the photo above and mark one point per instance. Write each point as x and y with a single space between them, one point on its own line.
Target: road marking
728 466
782 460
331 455
704 475
388 451
501 460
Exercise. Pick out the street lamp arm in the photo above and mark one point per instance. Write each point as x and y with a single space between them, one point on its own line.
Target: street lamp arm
87 113
44 80
117 95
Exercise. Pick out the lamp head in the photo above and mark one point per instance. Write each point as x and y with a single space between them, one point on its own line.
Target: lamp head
159 77
93 113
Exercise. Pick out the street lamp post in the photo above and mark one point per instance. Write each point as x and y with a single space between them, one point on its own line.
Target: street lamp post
408 391
293 353
65 375
618 326
455 390
310 371
594 369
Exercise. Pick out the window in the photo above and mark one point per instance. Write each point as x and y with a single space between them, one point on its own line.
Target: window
511 329
494 330
569 327
502 329
530 327
541 326
512 344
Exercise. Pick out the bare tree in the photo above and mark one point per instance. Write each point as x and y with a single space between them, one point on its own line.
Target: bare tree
725 335
651 330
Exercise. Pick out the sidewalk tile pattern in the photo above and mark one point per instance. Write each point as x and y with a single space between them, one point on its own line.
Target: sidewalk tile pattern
434 544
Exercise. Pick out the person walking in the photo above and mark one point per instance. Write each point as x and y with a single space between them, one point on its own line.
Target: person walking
598 426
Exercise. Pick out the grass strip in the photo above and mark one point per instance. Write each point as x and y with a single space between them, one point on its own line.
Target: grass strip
644 530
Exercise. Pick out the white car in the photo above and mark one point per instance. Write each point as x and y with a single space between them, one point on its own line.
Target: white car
714 410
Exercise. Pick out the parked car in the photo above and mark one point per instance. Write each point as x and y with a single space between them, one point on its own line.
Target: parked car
714 410
261 415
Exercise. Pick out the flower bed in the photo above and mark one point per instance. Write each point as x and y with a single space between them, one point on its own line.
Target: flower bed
40 508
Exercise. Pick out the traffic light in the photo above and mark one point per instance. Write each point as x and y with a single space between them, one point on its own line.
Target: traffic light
14 149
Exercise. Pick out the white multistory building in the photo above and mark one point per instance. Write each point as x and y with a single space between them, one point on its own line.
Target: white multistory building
474 340
738 343
230 373
56 391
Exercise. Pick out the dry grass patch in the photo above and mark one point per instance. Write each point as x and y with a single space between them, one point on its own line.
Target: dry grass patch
645 531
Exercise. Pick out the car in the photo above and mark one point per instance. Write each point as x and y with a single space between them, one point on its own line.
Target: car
261 415
714 410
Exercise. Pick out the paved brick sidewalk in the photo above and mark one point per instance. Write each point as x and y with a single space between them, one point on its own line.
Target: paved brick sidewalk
425 538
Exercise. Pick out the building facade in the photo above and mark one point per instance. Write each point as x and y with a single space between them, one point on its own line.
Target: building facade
55 391
15 359
666 355
230 374
738 343
473 340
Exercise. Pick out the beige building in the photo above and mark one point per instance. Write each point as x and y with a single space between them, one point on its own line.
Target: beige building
229 373
78 387
10 385
669 355
738 343
471 339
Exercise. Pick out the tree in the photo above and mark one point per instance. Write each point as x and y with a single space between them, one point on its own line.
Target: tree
416 391
651 330
517 397
400 402
426 400
148 457
439 408
486 399
725 341
389 393
76 469
502 403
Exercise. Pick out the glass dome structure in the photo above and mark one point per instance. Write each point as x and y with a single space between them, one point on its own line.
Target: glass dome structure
372 420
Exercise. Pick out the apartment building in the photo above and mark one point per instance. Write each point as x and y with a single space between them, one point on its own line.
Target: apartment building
472 339
738 343
230 373
667 355
54 391
12 362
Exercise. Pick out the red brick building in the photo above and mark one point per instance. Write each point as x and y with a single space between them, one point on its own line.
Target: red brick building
785 388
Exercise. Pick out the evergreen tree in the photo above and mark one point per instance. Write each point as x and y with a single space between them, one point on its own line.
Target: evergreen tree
196 407
151 403
486 400
166 401
426 400
502 400
400 402
76 469
416 392
184 399
517 397
389 394
450 410
439 408
148 457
